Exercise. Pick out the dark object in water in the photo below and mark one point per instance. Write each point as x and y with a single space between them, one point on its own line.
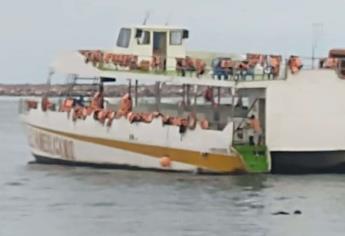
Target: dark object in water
296 212
281 213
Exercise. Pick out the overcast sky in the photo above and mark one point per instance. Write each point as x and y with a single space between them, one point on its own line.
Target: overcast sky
33 32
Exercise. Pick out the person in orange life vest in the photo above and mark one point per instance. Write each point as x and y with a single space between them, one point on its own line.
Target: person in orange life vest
242 69
46 104
275 64
208 95
330 63
295 64
98 100
125 105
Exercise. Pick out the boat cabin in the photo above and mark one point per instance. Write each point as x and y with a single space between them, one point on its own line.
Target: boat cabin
164 43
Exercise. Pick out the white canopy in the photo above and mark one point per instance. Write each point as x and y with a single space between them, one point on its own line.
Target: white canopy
73 63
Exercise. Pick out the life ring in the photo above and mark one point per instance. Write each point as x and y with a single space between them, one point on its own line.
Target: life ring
165 162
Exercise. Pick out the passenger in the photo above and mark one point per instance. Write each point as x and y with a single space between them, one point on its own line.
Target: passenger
256 139
46 104
67 105
79 101
78 113
208 95
200 67
97 100
30 104
166 120
147 117
251 70
156 63
192 120
267 68
102 115
125 105
107 57
330 63
242 70
189 64
204 123
275 65
183 125
295 64
111 117
181 66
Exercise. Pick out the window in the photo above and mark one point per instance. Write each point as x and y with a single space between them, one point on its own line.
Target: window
124 38
144 39
176 37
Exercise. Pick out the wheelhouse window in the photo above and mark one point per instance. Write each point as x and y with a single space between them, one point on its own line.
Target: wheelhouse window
176 37
145 38
124 38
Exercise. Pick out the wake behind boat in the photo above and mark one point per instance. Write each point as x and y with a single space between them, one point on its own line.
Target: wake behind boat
295 126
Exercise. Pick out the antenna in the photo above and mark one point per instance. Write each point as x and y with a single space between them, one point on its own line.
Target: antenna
168 19
317 32
147 16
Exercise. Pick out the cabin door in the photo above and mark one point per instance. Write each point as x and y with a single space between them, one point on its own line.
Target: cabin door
160 46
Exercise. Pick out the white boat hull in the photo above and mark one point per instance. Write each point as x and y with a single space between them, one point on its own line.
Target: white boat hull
54 137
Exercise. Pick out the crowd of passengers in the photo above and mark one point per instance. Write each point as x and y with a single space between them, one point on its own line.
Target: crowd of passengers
80 111
268 66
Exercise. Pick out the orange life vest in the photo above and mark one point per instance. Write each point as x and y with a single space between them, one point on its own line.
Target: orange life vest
204 124
125 105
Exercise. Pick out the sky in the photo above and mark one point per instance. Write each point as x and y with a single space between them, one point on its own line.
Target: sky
33 32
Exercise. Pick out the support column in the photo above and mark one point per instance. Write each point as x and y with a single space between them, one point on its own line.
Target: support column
158 95
136 93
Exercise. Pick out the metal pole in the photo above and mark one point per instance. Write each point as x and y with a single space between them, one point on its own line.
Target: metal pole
158 100
195 94
317 31
188 95
183 94
136 93
129 87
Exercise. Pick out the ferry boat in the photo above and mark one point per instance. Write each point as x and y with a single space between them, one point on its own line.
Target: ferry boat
206 129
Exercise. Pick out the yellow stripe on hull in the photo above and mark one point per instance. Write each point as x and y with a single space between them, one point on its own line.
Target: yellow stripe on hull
211 161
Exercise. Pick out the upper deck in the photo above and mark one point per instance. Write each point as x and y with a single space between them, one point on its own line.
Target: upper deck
154 52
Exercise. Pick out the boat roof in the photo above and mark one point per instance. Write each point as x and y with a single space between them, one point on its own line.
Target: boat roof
156 27
73 63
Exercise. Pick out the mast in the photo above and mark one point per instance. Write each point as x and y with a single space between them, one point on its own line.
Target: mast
317 31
